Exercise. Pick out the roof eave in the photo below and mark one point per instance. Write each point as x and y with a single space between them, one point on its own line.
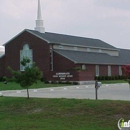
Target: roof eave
65 44
21 33
100 63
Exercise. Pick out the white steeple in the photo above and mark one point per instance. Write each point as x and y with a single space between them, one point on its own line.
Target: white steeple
39 22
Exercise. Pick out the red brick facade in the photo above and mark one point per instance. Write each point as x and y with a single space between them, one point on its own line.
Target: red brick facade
41 52
61 63
41 56
2 66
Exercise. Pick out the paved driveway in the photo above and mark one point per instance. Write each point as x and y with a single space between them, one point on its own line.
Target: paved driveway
110 91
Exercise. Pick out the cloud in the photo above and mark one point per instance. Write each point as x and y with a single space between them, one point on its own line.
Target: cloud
17 9
107 20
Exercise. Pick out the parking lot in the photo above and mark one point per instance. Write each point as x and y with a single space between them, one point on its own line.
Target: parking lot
106 91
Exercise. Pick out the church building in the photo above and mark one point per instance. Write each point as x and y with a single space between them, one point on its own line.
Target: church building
62 57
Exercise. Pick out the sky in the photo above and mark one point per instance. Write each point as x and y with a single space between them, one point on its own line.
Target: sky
107 20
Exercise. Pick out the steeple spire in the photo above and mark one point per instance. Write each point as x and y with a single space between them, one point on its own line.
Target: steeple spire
39 22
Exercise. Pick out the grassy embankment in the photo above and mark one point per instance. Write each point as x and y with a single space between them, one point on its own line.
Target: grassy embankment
61 114
15 86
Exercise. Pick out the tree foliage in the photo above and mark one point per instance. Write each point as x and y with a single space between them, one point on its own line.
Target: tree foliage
126 71
28 77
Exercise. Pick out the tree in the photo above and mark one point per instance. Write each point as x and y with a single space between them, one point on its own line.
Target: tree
27 78
126 71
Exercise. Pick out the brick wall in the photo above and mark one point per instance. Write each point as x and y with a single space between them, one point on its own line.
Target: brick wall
61 63
103 70
2 66
69 76
114 70
41 52
41 55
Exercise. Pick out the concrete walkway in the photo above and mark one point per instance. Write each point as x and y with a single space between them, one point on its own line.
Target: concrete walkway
110 91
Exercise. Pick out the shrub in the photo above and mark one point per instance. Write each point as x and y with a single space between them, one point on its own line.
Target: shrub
67 82
75 83
46 82
1 79
102 77
77 68
60 82
53 82
11 79
106 77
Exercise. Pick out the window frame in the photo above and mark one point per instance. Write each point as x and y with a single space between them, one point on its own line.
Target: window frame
109 70
120 70
97 70
26 52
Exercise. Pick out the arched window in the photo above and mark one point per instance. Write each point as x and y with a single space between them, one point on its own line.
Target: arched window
26 47
83 67
26 53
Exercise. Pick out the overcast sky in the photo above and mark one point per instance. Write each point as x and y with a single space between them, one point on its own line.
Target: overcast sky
108 20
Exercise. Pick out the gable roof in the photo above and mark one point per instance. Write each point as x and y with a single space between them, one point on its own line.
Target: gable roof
72 40
96 58
55 38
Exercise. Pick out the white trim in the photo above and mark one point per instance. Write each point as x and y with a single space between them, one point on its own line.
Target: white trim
83 67
75 48
88 49
38 35
97 70
28 32
100 50
51 62
109 70
61 47
120 71
14 37
84 46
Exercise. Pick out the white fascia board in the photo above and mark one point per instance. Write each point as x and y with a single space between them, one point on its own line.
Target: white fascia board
28 32
99 64
38 36
65 44
14 37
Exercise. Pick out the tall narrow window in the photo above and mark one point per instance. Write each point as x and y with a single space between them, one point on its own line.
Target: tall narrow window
109 70
97 70
120 71
75 48
88 49
60 47
26 53
51 60
83 67
100 50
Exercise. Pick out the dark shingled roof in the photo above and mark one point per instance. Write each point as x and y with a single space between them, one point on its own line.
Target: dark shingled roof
72 40
96 58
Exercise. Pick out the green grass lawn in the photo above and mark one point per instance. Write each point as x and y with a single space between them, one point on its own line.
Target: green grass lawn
112 81
61 114
15 86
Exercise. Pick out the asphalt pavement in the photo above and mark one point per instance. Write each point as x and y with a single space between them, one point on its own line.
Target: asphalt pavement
106 91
